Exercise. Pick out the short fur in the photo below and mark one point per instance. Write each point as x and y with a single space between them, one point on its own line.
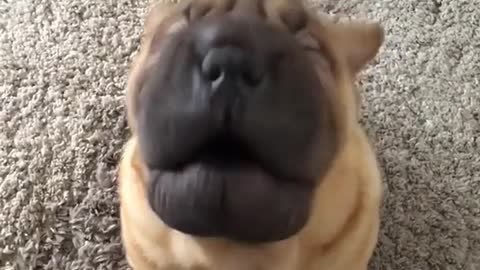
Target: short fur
342 229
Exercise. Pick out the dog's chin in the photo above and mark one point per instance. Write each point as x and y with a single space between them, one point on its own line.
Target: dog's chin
234 199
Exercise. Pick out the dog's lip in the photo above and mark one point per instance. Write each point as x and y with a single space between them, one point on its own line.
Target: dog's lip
221 184
215 200
222 151
225 154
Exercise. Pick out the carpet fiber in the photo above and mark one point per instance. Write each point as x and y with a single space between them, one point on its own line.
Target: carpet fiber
63 66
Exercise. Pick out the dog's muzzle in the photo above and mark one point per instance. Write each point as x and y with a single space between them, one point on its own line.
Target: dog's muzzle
235 130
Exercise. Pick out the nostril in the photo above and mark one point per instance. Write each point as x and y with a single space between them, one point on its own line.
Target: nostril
251 78
231 66
212 69
213 73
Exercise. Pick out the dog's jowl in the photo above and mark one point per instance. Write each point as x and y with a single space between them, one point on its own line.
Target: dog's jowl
246 151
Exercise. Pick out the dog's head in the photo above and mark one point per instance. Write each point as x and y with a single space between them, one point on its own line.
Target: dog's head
239 108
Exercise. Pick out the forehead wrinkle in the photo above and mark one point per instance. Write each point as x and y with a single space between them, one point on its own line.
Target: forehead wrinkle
288 15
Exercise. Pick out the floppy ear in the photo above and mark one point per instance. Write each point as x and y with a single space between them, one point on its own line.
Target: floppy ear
160 17
360 42
356 41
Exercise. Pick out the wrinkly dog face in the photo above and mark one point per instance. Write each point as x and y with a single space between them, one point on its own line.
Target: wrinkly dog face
239 108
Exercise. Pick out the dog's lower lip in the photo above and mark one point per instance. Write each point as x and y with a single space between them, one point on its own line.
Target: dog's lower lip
214 201
223 184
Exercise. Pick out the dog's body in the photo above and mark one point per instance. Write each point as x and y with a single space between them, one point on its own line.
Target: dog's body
340 231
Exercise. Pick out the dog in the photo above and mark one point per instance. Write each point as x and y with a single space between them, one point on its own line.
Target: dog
246 149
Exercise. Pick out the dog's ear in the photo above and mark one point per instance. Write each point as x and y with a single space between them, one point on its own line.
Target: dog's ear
161 18
155 15
357 42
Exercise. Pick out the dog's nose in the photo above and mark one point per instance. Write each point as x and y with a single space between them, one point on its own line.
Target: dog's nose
229 55
232 67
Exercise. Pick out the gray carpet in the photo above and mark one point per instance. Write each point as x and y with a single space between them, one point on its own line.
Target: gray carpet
63 66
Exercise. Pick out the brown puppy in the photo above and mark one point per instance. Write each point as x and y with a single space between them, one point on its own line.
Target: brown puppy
246 150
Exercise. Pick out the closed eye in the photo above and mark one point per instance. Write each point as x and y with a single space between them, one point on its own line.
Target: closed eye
312 49
177 26
308 42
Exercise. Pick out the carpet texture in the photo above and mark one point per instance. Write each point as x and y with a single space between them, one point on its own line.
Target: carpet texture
63 66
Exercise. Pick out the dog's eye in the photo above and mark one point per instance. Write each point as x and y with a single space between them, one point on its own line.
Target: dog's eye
308 42
316 49
177 25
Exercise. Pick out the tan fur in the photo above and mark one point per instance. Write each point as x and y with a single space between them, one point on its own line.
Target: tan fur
342 231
